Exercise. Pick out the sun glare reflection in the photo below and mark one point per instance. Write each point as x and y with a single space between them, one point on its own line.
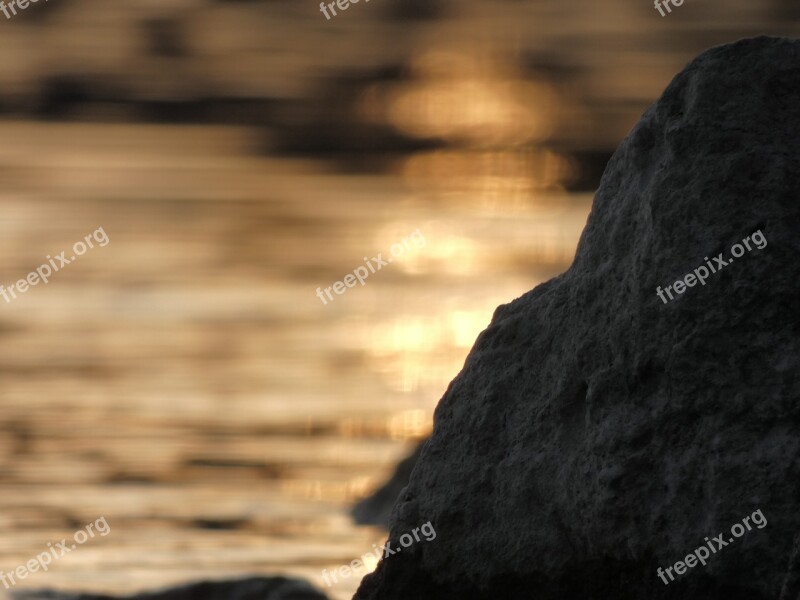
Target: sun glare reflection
459 98
473 110
446 252
415 351
410 424
500 179
336 490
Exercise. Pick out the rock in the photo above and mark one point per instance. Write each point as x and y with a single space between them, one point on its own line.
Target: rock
254 588
375 509
597 433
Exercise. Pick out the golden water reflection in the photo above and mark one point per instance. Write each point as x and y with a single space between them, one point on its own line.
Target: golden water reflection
466 99
188 383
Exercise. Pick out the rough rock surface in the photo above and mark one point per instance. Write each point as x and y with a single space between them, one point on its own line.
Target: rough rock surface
254 588
596 433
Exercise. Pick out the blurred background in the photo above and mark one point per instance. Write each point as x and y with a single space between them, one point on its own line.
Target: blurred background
185 381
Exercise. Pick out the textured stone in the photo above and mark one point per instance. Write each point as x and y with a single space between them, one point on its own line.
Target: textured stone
254 588
596 433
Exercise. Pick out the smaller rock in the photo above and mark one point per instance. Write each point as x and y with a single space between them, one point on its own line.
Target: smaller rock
253 588
375 510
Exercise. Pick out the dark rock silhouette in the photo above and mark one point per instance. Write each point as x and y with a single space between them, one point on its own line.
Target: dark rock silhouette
596 433
376 509
254 588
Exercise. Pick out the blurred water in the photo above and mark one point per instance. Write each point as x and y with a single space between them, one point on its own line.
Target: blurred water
185 381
